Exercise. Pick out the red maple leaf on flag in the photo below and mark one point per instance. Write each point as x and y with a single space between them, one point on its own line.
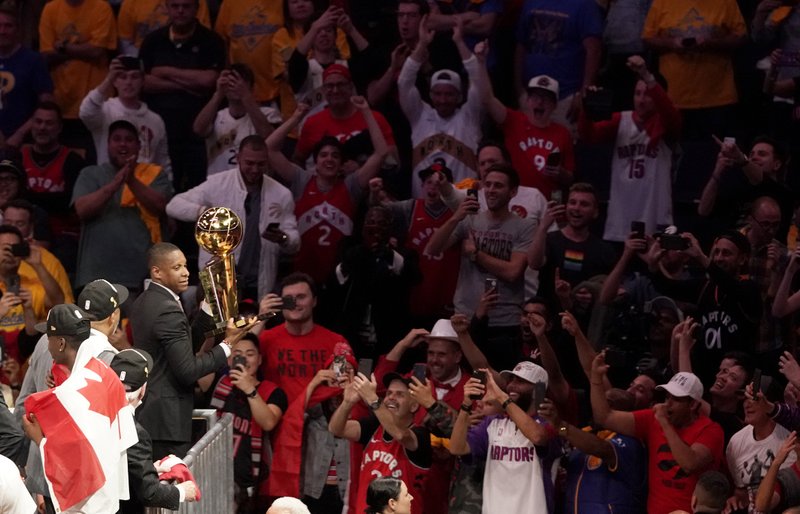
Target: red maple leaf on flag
107 395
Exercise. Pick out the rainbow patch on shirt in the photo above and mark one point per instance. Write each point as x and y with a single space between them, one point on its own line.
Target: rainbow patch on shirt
573 260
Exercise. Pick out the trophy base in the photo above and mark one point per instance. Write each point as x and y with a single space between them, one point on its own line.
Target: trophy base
220 328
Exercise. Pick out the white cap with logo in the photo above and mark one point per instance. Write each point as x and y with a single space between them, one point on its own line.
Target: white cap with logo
528 371
684 384
544 82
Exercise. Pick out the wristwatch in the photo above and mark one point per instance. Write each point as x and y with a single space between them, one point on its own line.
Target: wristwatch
562 430
506 403
253 394
375 405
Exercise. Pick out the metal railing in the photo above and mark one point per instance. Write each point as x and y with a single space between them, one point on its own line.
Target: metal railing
211 462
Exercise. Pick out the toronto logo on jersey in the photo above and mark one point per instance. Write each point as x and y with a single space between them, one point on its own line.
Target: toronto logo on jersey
383 457
325 213
512 453
636 150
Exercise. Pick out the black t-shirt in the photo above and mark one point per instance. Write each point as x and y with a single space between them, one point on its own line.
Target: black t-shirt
576 261
204 50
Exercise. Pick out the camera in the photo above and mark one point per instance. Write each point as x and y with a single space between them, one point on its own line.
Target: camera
22 249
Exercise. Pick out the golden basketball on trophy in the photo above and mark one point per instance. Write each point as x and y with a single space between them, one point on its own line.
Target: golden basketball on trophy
219 231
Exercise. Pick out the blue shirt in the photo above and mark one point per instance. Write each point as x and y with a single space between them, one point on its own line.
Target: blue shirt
596 488
23 77
552 33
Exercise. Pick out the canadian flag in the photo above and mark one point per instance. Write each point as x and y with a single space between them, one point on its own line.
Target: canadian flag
88 426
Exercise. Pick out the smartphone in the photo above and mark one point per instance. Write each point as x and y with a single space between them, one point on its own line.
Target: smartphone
673 242
756 381
616 358
539 393
339 365
365 366
688 42
239 361
420 371
22 249
273 227
553 160
637 227
489 284
288 303
480 375
557 196
729 140
12 284
473 193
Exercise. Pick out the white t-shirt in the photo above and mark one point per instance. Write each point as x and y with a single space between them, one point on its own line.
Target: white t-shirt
222 144
14 497
97 114
749 460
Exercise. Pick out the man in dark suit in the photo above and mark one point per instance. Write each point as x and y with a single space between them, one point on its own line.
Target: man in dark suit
134 367
161 328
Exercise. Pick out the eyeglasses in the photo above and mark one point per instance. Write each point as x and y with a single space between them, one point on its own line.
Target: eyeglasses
766 225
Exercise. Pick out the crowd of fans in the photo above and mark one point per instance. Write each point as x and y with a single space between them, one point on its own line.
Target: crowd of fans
496 255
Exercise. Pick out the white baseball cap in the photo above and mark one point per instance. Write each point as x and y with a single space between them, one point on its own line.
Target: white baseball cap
528 371
443 329
446 77
545 83
684 384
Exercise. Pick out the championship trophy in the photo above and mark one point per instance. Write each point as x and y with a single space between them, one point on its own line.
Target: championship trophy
219 231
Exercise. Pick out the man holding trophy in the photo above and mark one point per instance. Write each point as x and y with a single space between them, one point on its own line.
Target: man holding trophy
160 327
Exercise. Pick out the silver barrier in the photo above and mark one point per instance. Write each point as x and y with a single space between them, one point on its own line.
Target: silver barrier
211 462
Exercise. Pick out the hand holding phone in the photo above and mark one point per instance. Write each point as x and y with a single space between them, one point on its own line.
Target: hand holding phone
481 376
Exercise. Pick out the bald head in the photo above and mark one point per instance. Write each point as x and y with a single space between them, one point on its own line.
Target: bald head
288 505
765 204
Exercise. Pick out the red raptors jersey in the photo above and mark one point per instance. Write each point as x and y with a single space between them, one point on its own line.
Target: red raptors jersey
48 178
439 273
389 459
323 219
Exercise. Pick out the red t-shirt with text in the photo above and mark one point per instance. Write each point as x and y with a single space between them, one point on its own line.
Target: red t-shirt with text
292 361
670 487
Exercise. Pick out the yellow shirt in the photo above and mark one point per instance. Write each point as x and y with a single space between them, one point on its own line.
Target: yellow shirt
283 44
696 79
56 270
138 18
91 22
248 26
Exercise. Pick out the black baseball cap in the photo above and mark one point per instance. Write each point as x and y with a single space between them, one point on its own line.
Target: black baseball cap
65 319
389 377
100 298
133 366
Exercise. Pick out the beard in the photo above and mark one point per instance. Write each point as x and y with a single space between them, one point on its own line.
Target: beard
525 400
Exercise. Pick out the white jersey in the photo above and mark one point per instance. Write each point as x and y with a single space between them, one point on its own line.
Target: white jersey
641 181
97 113
452 141
222 144
514 478
749 460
